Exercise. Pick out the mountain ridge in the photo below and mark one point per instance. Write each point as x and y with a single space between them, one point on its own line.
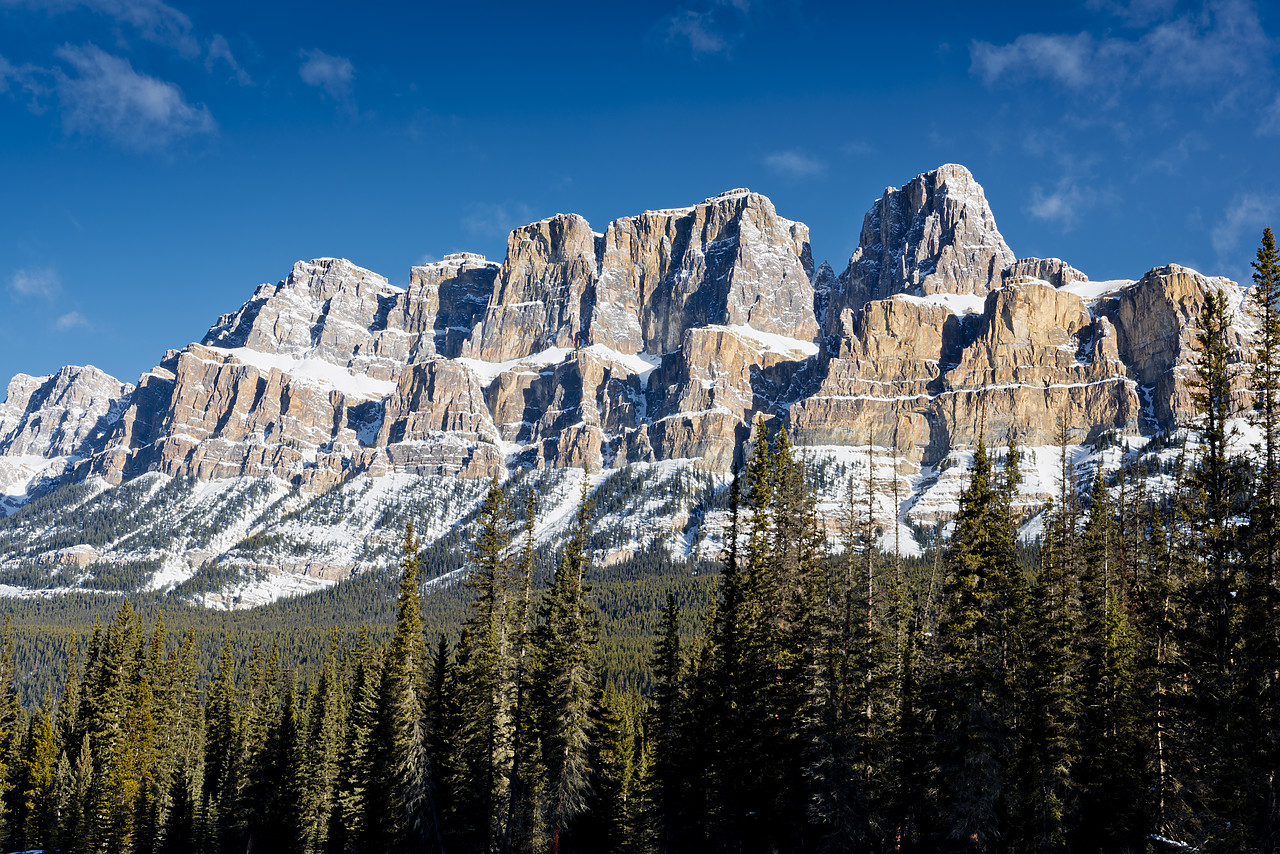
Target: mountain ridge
656 343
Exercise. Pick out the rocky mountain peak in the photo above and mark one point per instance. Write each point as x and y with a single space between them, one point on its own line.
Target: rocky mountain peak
935 235
57 418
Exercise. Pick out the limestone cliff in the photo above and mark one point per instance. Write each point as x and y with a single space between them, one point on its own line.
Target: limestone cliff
662 338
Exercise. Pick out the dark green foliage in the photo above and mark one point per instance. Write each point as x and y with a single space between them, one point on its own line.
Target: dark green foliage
1118 681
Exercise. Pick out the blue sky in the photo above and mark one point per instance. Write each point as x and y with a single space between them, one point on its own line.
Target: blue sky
161 159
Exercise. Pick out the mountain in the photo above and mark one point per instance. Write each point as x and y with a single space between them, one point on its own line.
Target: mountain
285 449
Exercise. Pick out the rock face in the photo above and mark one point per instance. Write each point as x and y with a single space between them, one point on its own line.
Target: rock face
935 235
59 415
663 338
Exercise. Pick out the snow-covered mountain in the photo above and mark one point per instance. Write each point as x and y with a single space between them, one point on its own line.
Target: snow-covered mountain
283 451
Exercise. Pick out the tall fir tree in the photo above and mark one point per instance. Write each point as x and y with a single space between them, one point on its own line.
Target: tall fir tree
565 681
1258 689
972 682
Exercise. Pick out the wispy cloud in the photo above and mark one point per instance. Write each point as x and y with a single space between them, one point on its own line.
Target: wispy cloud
153 20
795 164
496 220
1270 124
1064 204
1245 217
706 29
38 282
70 320
220 52
334 74
1175 158
108 98
1223 43
857 148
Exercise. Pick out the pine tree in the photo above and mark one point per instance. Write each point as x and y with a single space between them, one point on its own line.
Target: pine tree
565 681
1109 772
972 681
11 726
519 826
1212 631
347 827
415 819
668 772
39 779
223 776
325 720
1258 691
1052 680
485 688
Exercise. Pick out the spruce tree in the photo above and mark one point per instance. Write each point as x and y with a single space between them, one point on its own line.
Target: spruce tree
485 689
669 772
414 819
971 685
1052 679
565 682
519 828
1212 631
1258 690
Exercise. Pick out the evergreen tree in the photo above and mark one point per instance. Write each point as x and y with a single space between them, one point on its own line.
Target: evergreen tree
669 773
485 684
1109 772
1258 691
414 820
347 826
1210 645
565 681
972 682
1052 679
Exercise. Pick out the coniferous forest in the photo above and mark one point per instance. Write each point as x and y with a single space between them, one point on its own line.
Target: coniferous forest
1116 688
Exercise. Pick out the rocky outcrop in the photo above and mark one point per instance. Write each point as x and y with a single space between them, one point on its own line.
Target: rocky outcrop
59 415
1052 270
935 235
444 302
1156 322
542 296
730 260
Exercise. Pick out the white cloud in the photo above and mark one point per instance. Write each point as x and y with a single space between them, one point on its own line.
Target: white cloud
698 29
154 21
1068 60
42 282
70 320
428 258
333 74
1063 205
1270 125
795 164
708 28
1223 43
110 99
220 51
1245 217
496 220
